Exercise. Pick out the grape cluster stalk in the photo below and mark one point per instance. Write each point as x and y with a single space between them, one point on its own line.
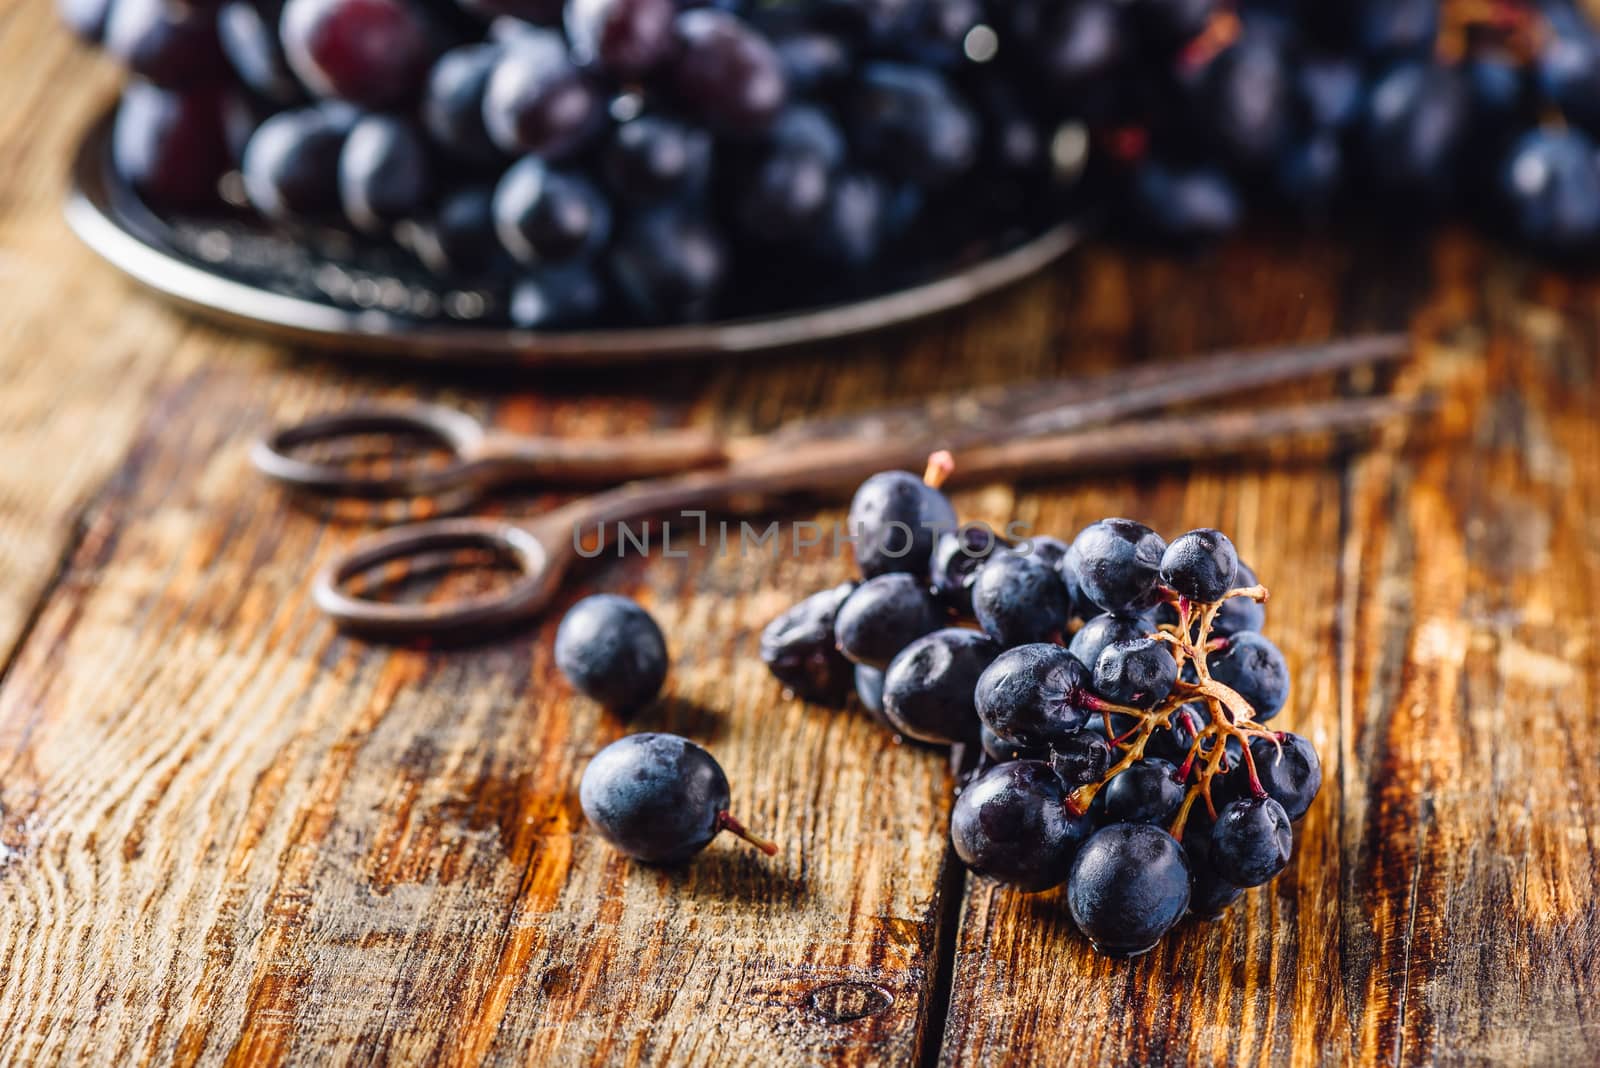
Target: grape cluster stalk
1231 716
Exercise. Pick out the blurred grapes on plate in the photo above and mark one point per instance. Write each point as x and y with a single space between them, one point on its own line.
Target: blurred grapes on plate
637 162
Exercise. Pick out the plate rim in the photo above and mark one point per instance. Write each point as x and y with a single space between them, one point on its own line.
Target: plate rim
373 332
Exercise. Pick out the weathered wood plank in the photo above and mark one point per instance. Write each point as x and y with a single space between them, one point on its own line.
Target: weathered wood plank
1427 601
1027 987
1472 706
78 369
227 834
295 846
230 835
298 846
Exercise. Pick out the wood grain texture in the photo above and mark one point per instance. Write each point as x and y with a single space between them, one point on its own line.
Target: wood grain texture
1429 598
228 835
78 368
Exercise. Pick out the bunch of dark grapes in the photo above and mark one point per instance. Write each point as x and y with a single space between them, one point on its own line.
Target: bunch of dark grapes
594 160
1119 687
597 161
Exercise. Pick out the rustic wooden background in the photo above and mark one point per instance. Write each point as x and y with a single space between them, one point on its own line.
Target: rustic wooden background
229 835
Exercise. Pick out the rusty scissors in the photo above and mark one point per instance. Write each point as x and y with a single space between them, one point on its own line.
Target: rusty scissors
1036 428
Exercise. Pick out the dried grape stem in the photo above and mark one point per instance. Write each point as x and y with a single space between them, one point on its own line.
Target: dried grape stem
726 822
1231 716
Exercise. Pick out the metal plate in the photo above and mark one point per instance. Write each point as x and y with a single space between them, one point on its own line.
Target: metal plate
318 288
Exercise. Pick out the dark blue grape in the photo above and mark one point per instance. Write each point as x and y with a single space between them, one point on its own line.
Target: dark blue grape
1172 743
1567 68
384 173
655 158
452 101
1139 672
811 130
1330 90
611 650
1185 205
1248 99
785 194
798 647
169 145
909 123
173 45
894 519
1311 172
957 556
557 298
856 222
1080 759
1239 613
1200 565
869 691
1020 599
1051 551
543 215
1209 894
1501 102
1073 45
369 52
1254 667
1012 825
458 240
1416 121
537 101
1551 184
1118 563
1399 27
1107 629
251 45
812 60
1147 792
671 264
927 691
1002 750
626 38
1291 777
658 798
726 73
878 20
1066 566
884 615
1033 695
291 165
1252 841
1129 886
940 33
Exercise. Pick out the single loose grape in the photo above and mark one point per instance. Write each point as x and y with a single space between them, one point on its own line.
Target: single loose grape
659 798
611 650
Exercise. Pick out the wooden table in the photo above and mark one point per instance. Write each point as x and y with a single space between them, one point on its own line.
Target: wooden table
231 835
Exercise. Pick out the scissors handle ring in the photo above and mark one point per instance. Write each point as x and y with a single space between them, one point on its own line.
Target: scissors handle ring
528 595
457 431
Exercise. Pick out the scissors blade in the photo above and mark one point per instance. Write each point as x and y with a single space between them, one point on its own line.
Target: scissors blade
1055 405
